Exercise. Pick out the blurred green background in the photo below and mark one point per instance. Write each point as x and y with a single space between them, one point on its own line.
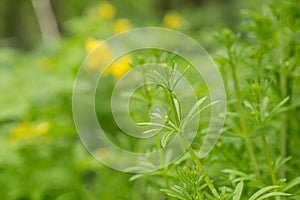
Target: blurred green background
42 46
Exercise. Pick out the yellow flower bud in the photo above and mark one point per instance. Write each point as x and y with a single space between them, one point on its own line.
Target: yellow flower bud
106 11
120 67
172 20
121 25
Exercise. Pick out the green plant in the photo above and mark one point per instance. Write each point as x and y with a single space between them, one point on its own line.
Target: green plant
257 154
261 69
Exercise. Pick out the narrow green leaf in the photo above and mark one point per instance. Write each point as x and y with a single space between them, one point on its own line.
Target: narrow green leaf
247 104
280 162
280 104
155 125
193 114
173 193
178 108
165 138
185 71
208 196
196 106
263 190
264 106
151 131
238 191
273 194
292 183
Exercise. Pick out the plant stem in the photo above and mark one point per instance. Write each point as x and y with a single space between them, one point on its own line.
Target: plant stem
268 158
242 120
200 167
283 139
162 159
267 154
191 151
284 124
157 138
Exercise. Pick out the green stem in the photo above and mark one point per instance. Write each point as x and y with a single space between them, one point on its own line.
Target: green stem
200 167
284 125
268 158
267 154
162 159
251 153
191 151
242 121
283 139
157 138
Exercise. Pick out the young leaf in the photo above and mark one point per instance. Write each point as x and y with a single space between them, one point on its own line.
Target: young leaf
155 125
165 138
261 191
192 112
238 191
292 183
273 194
208 196
280 162
178 108
280 104
264 106
173 193
196 106
276 109
248 105
151 131
185 71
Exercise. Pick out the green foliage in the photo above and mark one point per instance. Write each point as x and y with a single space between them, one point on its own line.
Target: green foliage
190 184
257 154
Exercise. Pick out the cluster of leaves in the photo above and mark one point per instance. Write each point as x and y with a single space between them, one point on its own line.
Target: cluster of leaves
258 148
190 184
263 102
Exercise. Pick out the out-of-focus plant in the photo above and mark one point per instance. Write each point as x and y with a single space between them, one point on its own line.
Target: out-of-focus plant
263 53
257 156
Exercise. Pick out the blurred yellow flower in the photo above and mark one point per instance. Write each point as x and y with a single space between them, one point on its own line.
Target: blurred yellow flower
172 20
120 67
106 11
121 25
91 43
99 57
27 130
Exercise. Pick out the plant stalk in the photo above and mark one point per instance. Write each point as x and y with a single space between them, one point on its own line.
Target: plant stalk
157 138
242 121
162 160
267 155
200 167
191 151
284 125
